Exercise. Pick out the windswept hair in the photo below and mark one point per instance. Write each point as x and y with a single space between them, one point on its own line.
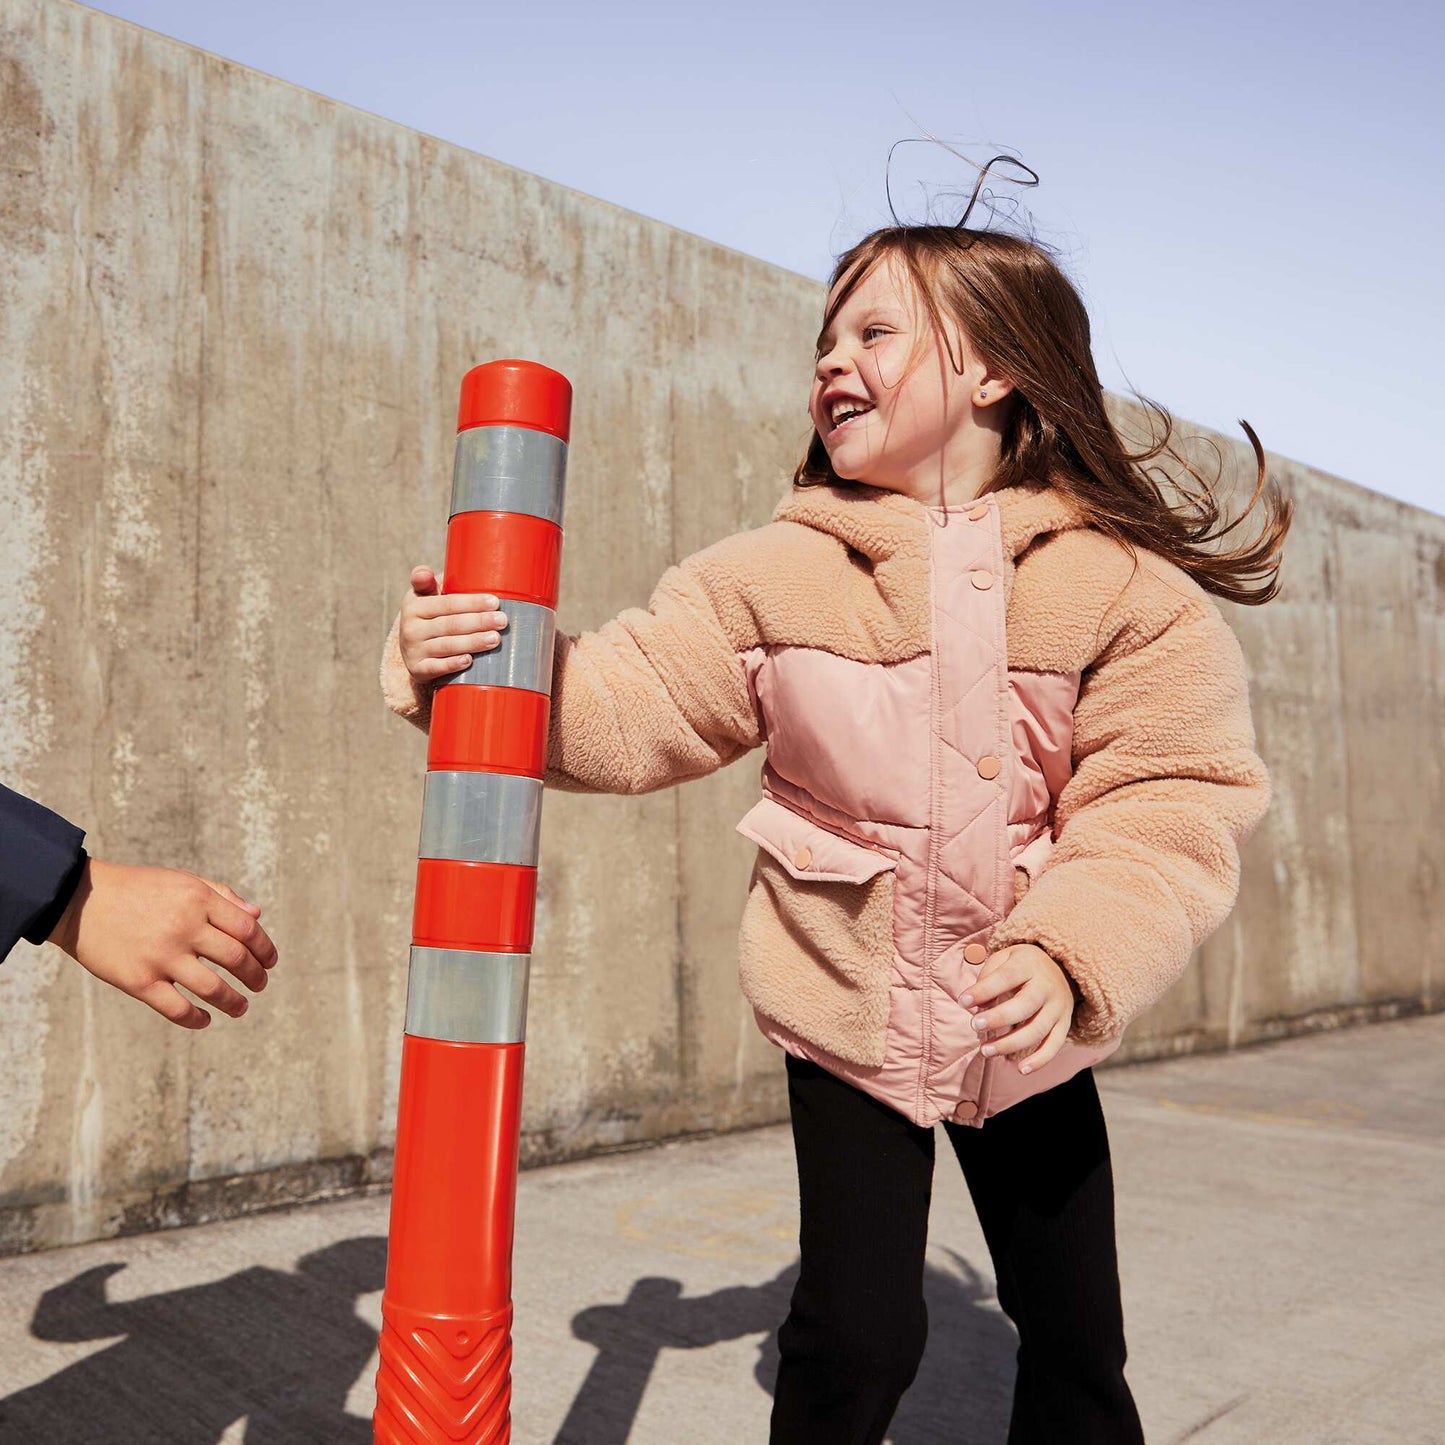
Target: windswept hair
1021 314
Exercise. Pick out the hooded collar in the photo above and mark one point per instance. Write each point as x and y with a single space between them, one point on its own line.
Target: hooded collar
890 527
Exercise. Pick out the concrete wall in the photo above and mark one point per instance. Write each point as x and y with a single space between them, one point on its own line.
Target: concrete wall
233 317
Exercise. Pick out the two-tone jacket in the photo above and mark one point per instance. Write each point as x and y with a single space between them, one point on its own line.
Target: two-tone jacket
985 725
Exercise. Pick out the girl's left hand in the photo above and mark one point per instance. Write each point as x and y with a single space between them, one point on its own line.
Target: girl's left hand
1041 1004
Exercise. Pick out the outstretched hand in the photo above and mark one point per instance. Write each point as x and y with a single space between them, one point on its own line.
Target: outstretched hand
145 930
1037 1007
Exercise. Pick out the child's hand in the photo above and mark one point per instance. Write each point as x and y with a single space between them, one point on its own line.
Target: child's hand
439 634
1040 1000
144 930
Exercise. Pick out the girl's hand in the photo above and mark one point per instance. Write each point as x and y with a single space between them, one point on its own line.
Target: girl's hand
439 634
1040 1001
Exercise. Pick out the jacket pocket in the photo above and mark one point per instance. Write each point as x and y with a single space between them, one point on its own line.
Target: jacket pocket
816 937
806 850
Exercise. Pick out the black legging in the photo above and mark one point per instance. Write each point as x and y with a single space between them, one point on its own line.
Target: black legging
1041 1181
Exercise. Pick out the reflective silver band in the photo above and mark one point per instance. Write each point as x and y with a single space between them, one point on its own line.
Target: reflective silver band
481 817
466 997
509 469
523 658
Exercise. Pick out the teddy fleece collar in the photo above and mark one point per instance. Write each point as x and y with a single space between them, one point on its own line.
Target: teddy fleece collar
887 526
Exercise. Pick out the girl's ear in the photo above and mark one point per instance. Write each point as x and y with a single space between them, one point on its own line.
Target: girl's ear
990 389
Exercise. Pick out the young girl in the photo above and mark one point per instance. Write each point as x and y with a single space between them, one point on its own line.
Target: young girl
1010 763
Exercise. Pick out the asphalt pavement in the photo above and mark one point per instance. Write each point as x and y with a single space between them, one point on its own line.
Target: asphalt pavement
1281 1245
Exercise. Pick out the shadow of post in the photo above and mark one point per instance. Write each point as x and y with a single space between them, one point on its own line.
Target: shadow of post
968 1366
279 1348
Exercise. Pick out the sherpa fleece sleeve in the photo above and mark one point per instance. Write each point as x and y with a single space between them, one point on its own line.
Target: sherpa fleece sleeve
1166 787
655 696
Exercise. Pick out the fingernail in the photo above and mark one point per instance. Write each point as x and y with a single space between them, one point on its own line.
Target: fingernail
980 1022
989 1051
1026 1069
968 1000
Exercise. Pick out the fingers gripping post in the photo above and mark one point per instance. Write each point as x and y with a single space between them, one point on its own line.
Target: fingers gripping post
446 1343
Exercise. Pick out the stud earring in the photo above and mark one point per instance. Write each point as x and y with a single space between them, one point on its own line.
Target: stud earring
982 395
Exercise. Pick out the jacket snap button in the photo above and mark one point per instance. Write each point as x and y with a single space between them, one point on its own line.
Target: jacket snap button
965 1111
974 953
802 857
981 579
988 766
978 513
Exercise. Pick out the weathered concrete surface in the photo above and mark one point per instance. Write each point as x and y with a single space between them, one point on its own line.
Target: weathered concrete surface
1279 1245
1341 904
233 316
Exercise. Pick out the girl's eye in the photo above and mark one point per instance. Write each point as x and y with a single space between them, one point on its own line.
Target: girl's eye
869 329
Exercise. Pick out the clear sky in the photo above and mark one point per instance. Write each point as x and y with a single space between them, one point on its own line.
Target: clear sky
1250 196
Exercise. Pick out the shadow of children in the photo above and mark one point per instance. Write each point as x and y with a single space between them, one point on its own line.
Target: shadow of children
278 1348
968 1365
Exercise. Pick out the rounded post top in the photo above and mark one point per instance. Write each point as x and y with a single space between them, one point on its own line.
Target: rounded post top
516 393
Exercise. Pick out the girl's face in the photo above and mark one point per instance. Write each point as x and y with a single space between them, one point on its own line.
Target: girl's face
917 432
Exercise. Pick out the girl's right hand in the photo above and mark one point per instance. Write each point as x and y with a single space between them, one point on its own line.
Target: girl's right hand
439 634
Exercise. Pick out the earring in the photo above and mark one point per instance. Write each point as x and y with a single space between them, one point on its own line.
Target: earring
982 395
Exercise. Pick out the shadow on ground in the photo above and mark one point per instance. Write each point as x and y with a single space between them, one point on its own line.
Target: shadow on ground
967 1371
281 1347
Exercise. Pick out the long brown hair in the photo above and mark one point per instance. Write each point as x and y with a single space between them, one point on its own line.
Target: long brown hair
1020 313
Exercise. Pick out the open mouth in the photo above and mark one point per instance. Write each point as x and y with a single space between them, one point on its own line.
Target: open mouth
848 420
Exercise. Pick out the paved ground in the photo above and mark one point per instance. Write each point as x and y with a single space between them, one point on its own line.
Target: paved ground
1280 1229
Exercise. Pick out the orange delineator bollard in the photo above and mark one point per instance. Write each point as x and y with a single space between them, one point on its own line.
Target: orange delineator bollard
446 1343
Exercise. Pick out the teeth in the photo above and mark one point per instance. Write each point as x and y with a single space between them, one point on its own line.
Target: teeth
842 410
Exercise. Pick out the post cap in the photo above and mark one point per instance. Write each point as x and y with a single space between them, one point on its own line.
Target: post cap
516 393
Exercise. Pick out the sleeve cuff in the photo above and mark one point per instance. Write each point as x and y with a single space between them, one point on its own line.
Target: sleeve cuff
43 924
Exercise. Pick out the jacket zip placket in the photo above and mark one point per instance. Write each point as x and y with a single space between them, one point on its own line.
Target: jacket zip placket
930 893
1004 745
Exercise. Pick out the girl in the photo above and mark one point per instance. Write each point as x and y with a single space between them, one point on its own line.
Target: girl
1010 763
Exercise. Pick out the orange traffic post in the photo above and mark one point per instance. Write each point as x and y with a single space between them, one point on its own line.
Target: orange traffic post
446 1339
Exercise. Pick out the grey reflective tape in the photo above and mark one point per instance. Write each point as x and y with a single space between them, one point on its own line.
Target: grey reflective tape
523 658
466 997
509 469
481 817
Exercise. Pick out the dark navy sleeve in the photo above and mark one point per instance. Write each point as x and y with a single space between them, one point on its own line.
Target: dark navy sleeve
41 860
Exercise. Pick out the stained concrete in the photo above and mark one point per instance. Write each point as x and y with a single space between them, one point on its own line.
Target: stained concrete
233 318
1279 1247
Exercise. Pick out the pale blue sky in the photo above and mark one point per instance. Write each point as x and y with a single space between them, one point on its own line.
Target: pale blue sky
1249 195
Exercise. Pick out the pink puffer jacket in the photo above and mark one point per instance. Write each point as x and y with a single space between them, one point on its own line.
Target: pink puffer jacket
943 770
986 726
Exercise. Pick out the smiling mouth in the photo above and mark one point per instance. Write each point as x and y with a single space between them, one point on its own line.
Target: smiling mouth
844 425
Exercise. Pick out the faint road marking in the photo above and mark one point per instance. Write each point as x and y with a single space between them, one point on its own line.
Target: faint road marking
1196 1430
748 1224
1327 1114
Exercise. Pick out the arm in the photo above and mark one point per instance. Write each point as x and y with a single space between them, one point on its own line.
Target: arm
657 695
41 859
77 1309
1166 787
139 929
653 697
